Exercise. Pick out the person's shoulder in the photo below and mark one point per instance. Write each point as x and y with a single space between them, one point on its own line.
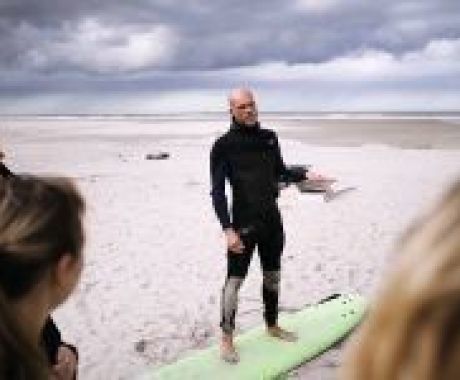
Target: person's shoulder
221 139
221 142
268 133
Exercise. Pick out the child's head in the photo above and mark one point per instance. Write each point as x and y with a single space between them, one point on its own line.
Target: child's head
41 240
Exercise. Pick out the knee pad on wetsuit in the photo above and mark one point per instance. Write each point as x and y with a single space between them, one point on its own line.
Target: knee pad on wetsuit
231 287
230 303
272 280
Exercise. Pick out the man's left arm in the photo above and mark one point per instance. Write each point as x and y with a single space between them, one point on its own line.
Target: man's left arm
292 175
283 172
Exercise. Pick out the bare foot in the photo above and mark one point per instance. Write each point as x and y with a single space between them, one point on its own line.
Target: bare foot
278 332
228 351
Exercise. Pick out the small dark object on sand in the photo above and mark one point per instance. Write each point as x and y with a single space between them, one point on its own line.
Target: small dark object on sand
140 346
157 156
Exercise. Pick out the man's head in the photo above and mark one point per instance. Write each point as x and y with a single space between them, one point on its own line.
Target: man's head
243 107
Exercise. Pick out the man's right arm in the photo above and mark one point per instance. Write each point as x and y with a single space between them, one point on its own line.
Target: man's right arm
219 171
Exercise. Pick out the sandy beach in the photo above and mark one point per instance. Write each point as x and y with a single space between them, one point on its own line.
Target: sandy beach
155 254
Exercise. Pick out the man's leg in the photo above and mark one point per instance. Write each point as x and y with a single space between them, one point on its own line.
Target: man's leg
270 251
270 248
270 296
237 269
229 303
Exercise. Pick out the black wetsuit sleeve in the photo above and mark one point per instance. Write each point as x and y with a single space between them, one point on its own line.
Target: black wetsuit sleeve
4 171
285 174
219 171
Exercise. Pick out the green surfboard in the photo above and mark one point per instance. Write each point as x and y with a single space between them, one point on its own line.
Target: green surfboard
318 327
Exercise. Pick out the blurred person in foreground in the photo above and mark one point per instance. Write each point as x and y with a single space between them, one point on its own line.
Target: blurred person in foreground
41 240
4 171
413 330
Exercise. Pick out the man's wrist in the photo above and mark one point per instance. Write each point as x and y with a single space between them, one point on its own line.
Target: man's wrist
228 230
227 225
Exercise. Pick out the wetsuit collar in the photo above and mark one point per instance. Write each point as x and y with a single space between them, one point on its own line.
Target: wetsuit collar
241 127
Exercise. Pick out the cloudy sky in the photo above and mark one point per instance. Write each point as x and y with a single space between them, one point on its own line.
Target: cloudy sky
142 56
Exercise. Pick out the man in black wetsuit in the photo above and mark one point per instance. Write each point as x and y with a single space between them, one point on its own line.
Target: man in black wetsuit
249 157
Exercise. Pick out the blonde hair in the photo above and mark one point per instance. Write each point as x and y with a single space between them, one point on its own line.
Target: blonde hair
40 220
413 331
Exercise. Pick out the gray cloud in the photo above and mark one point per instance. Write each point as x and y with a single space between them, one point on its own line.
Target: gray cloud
220 34
140 46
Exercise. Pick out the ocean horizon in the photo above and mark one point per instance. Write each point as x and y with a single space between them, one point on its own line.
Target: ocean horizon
281 115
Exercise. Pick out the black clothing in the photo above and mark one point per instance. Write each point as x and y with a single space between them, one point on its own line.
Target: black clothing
250 158
51 341
269 238
4 171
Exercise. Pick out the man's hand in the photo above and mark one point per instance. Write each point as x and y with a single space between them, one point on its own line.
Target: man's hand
66 366
234 243
312 176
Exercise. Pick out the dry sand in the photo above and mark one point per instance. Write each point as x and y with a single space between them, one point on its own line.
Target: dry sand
155 255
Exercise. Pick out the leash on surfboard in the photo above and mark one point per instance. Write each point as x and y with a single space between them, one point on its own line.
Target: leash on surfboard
287 309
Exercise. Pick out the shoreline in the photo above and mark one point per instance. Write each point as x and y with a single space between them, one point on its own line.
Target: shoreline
423 134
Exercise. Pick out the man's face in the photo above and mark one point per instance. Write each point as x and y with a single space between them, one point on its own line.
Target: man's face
244 109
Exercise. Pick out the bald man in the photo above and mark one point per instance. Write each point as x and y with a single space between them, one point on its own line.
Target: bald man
249 157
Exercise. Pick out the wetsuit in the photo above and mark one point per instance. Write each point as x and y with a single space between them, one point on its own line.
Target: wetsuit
250 159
